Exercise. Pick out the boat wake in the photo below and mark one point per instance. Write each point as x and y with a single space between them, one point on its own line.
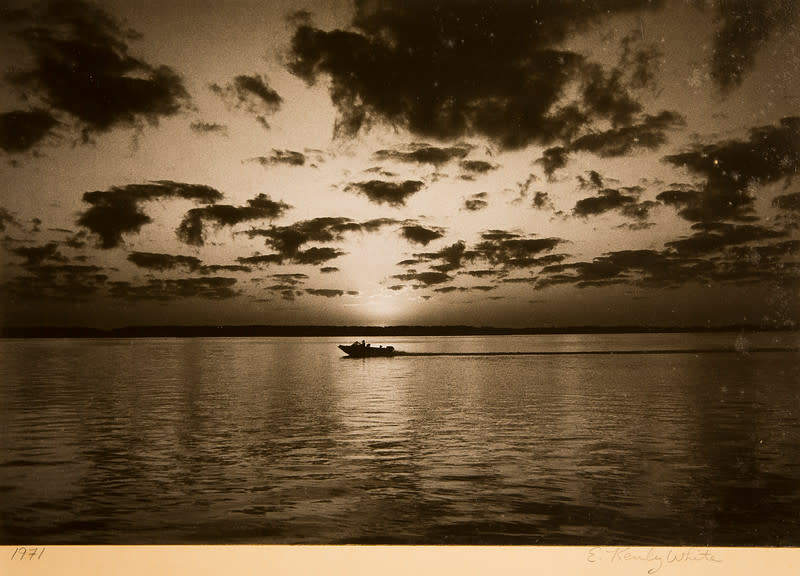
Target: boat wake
605 352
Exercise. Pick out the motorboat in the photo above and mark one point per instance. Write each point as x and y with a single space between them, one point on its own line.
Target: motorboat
364 350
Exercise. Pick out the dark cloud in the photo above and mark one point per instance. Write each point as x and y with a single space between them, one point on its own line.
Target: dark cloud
476 202
117 211
382 192
215 288
605 95
452 69
328 269
731 169
289 157
81 66
593 182
60 282
35 255
316 255
624 200
287 240
326 292
480 273
261 207
743 31
554 159
291 279
649 134
252 94
605 200
788 202
717 253
7 218
209 128
477 166
21 130
713 236
424 154
216 268
421 235
641 61
542 201
452 257
161 262
512 250
260 259
639 267
424 279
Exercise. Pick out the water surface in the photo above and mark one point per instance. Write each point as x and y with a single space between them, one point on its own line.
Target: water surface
270 440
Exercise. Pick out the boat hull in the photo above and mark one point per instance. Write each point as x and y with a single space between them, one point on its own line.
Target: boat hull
367 351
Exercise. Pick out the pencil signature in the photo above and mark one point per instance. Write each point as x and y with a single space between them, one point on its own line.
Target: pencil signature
653 558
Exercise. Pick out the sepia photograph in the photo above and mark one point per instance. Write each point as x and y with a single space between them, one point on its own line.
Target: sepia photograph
426 273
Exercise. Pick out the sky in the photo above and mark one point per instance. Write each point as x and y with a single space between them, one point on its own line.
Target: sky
506 163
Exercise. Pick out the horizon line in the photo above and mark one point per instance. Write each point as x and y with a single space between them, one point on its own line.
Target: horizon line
293 330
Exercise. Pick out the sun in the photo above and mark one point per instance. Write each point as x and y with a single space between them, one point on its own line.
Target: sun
385 307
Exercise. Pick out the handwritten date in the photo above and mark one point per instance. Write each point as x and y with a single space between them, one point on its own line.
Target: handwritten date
28 553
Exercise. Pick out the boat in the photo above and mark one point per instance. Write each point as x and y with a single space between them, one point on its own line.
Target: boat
363 350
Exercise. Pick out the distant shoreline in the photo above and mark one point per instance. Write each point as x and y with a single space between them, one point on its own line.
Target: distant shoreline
351 331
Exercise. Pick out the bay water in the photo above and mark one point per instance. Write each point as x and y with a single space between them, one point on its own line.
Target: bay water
683 439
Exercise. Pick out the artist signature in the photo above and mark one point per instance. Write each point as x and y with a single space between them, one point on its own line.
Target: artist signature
654 559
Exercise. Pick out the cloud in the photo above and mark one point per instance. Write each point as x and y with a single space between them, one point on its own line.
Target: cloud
424 154
649 134
716 253
554 159
642 62
542 201
316 255
60 282
476 202
81 66
287 240
513 250
455 69
209 128
328 269
731 169
216 268
382 192
638 267
605 95
21 130
788 202
260 259
117 211
162 262
261 207
624 200
289 157
35 255
477 166
7 218
215 288
745 27
714 236
326 292
420 235
424 279
252 94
